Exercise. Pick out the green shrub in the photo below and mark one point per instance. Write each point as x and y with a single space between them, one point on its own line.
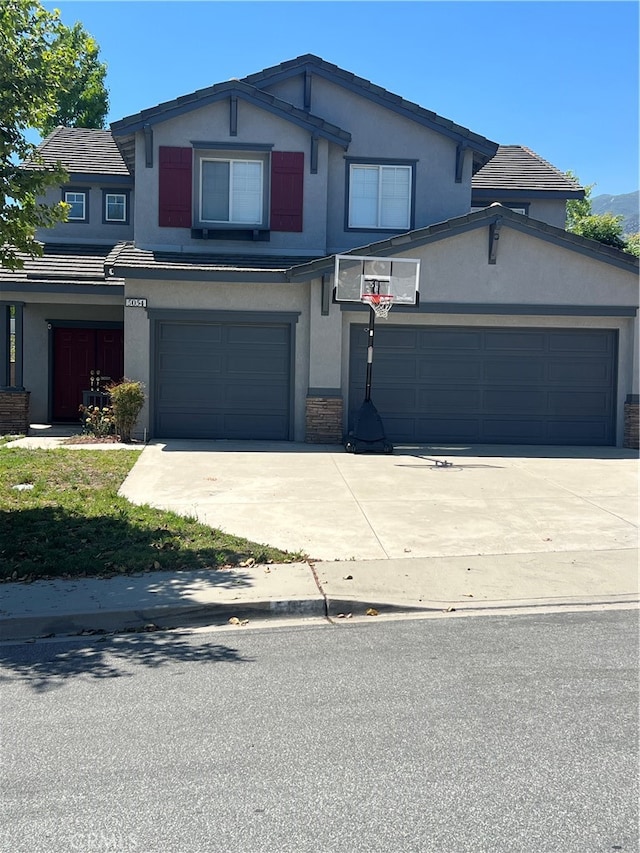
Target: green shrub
603 227
127 400
633 244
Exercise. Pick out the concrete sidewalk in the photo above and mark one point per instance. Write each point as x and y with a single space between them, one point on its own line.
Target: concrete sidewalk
444 584
495 528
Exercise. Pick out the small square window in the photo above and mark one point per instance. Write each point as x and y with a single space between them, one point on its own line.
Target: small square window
77 202
115 207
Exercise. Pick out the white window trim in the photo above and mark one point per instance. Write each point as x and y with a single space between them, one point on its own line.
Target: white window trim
230 220
108 218
380 167
79 194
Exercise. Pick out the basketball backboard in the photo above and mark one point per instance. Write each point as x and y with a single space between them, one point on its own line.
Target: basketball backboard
356 275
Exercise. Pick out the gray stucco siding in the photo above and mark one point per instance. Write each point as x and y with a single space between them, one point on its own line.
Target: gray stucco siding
553 211
437 195
527 270
378 133
95 230
292 91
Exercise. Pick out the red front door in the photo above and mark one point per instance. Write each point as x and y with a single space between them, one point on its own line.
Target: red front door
76 352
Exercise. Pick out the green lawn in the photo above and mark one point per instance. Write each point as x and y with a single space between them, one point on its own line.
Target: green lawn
73 523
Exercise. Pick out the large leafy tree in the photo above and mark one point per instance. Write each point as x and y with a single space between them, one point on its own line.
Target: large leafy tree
49 74
82 99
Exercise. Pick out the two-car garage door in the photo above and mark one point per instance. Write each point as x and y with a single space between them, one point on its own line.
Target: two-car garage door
228 379
489 385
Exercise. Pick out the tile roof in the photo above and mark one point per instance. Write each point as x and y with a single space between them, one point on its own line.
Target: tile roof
62 264
82 150
517 168
127 260
312 63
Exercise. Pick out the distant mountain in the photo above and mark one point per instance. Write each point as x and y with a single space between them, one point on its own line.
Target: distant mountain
620 205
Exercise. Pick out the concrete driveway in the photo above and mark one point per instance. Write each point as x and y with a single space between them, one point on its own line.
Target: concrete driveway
333 505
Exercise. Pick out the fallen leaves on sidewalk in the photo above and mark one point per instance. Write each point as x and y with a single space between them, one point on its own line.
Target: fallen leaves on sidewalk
372 612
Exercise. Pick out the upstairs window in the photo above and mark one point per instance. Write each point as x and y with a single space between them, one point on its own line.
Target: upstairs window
239 193
232 191
380 196
77 201
115 207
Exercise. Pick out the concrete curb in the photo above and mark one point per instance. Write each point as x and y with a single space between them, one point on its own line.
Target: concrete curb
358 607
167 616
189 616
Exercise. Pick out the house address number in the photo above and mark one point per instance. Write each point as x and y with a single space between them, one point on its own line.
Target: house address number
134 302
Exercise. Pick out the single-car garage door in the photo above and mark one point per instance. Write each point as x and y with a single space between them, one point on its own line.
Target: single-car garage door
222 380
489 385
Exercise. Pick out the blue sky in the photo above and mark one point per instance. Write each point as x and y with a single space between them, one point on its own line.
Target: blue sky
558 77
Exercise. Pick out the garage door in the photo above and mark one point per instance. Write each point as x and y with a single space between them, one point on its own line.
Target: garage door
222 380
488 385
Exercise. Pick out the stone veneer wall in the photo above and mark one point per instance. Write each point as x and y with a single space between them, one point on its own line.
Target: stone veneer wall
324 420
14 412
632 421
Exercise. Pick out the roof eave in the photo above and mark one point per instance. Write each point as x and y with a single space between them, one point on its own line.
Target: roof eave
103 177
173 109
168 273
521 194
483 147
469 222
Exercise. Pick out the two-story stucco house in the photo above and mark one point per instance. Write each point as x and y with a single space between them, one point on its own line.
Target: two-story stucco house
198 257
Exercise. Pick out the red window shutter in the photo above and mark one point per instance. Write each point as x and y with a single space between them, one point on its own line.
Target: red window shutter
174 205
287 180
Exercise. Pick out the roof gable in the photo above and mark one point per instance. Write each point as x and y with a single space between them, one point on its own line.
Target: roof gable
471 221
482 147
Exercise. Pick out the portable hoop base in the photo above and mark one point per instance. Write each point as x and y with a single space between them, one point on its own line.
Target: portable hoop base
368 434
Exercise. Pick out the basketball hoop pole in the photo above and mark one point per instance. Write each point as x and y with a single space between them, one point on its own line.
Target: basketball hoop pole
372 329
368 434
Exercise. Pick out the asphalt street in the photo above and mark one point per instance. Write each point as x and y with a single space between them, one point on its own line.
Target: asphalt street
505 733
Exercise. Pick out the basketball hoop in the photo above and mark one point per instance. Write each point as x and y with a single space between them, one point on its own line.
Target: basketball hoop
380 303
